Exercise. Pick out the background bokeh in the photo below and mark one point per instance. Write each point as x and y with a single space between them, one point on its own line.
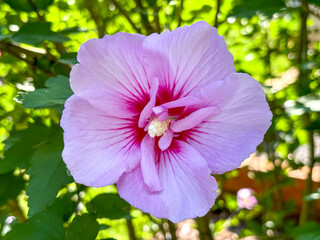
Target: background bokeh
275 41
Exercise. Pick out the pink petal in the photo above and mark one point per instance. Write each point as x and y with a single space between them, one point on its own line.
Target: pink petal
112 103
158 110
182 102
97 146
188 188
163 116
111 62
194 119
187 57
228 138
147 111
165 140
148 164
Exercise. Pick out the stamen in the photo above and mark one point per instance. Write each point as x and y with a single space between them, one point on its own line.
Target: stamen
158 128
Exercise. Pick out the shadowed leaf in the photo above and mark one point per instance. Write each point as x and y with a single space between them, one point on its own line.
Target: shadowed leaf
84 227
110 206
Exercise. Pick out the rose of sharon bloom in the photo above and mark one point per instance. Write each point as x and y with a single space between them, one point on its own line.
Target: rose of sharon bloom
246 199
158 115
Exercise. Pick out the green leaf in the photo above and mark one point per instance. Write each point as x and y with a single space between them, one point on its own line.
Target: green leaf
110 206
309 231
64 206
72 30
48 173
34 33
20 5
4 36
317 2
43 4
7 191
57 91
68 58
45 225
83 227
21 146
24 5
249 8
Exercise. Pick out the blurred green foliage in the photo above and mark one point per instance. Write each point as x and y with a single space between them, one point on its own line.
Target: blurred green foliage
276 41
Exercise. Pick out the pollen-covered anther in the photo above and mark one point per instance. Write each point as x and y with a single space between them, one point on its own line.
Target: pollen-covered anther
158 128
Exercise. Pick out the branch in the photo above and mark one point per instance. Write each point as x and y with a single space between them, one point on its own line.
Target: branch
305 7
126 15
30 56
34 6
216 23
179 14
32 64
144 17
156 17
8 46
96 18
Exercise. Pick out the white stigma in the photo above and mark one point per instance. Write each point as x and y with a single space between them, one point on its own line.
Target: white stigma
158 128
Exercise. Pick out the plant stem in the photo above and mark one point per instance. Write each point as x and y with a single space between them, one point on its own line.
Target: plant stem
130 227
172 229
305 209
203 227
162 229
302 52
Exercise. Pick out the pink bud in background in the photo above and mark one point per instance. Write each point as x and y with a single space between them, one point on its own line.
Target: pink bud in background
246 199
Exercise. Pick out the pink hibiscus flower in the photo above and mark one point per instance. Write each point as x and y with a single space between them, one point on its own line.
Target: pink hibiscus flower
158 115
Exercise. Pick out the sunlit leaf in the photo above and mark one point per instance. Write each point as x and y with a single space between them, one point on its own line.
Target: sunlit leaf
48 174
68 58
57 91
